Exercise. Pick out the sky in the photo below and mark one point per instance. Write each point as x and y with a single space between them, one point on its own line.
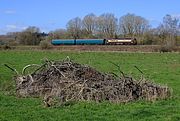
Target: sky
49 15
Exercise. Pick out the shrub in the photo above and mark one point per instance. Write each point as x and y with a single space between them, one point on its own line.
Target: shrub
168 47
6 47
45 44
165 49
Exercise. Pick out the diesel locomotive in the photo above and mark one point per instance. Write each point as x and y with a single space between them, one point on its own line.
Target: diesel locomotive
119 41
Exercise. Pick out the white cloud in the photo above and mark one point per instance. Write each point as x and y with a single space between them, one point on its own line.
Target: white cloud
11 26
9 11
19 26
24 27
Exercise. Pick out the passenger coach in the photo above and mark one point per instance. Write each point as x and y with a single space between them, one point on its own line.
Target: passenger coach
119 41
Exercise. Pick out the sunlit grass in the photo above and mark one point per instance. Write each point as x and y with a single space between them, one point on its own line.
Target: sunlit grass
163 68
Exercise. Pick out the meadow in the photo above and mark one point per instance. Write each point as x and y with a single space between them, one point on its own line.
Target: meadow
161 68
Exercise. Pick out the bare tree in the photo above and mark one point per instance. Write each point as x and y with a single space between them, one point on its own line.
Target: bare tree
74 27
169 29
132 25
89 24
32 29
141 25
107 25
59 34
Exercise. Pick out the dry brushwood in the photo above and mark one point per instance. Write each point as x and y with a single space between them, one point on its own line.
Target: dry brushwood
66 80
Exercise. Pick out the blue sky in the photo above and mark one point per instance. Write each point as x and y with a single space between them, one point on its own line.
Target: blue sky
16 15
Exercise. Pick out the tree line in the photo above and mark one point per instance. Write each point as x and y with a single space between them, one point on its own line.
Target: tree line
107 25
103 26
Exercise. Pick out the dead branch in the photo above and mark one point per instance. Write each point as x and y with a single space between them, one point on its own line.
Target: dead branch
12 69
27 66
66 80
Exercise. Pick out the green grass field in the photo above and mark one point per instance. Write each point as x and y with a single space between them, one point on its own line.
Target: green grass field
162 68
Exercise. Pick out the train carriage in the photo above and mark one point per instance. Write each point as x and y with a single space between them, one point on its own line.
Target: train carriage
122 41
78 42
119 41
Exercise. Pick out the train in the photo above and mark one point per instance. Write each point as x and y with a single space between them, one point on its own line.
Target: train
119 41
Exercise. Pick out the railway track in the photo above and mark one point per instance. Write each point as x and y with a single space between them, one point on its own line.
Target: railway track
128 48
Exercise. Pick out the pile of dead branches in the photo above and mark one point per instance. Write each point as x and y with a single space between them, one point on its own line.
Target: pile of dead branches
69 81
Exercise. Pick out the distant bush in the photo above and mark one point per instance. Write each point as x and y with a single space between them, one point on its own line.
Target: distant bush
13 43
5 47
165 49
45 44
168 47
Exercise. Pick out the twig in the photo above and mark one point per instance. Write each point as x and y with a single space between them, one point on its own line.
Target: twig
58 71
84 83
118 67
138 69
39 68
12 69
23 70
